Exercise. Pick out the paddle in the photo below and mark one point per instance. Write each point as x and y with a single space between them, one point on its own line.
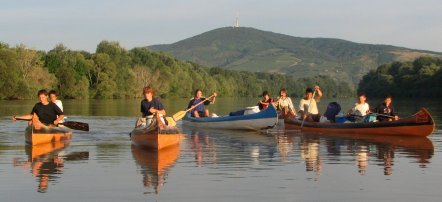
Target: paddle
382 115
70 124
308 108
179 115
170 121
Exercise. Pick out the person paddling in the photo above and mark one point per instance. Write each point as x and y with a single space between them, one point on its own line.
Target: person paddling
386 110
200 110
44 112
360 109
308 107
150 104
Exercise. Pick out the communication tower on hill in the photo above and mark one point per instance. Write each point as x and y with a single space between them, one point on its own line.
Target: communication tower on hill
236 25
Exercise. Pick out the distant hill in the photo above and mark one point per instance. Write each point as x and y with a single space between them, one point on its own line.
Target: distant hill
255 50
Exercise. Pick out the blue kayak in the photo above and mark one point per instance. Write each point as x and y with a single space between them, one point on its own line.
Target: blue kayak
255 121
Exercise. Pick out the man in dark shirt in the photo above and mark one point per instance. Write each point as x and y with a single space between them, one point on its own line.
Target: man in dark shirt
386 110
151 104
46 111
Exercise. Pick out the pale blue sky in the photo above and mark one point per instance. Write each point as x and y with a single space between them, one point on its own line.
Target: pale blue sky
82 24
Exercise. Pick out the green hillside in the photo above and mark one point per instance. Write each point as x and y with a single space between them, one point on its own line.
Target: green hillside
254 50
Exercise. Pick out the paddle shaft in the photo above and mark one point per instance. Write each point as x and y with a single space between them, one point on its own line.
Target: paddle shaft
179 115
374 114
382 115
308 108
193 107
70 124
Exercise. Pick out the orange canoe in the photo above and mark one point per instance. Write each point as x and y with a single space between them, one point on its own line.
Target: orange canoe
46 134
420 124
155 135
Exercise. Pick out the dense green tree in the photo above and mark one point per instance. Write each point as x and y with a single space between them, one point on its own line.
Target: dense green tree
9 74
114 72
420 78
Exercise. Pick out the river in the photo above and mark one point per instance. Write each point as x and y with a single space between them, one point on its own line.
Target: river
210 165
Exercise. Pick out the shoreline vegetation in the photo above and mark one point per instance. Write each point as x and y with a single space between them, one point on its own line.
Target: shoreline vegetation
419 78
113 72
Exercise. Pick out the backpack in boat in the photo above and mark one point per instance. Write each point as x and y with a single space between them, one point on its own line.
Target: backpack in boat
333 109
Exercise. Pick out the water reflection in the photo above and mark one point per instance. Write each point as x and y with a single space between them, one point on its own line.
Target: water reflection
202 148
155 164
376 150
46 162
284 145
244 150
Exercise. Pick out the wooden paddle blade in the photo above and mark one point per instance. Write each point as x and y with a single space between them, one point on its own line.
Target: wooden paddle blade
76 125
170 121
179 115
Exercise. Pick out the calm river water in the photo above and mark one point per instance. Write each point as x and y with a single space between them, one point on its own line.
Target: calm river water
208 165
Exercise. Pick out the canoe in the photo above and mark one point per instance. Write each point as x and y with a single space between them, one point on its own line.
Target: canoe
155 135
420 124
155 164
47 134
255 121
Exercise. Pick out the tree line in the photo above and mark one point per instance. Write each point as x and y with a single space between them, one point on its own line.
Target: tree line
419 78
113 72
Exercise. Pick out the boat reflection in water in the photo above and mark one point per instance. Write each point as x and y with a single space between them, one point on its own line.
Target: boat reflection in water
155 164
47 161
318 152
366 150
203 149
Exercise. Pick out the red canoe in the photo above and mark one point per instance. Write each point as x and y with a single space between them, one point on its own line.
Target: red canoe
420 124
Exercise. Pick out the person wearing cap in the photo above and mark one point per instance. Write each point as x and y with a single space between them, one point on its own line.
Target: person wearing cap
307 106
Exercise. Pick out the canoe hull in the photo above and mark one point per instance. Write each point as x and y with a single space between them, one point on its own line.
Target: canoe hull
420 124
153 137
46 135
258 121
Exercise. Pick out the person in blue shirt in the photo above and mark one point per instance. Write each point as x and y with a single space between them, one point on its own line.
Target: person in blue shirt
200 110
151 104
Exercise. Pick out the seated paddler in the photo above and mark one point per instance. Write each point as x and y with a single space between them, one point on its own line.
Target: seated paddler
151 105
198 109
44 112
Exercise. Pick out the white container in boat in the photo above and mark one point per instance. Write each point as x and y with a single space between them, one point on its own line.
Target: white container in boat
251 110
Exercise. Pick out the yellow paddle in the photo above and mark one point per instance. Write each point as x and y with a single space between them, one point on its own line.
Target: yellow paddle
170 121
179 115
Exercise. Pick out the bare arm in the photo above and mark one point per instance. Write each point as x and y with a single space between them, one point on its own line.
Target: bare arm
161 112
60 117
318 93
214 98
26 116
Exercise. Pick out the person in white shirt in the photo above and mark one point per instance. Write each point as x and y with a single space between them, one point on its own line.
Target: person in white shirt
53 99
361 108
308 104
285 105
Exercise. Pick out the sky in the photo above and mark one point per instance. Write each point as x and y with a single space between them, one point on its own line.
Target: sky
82 24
